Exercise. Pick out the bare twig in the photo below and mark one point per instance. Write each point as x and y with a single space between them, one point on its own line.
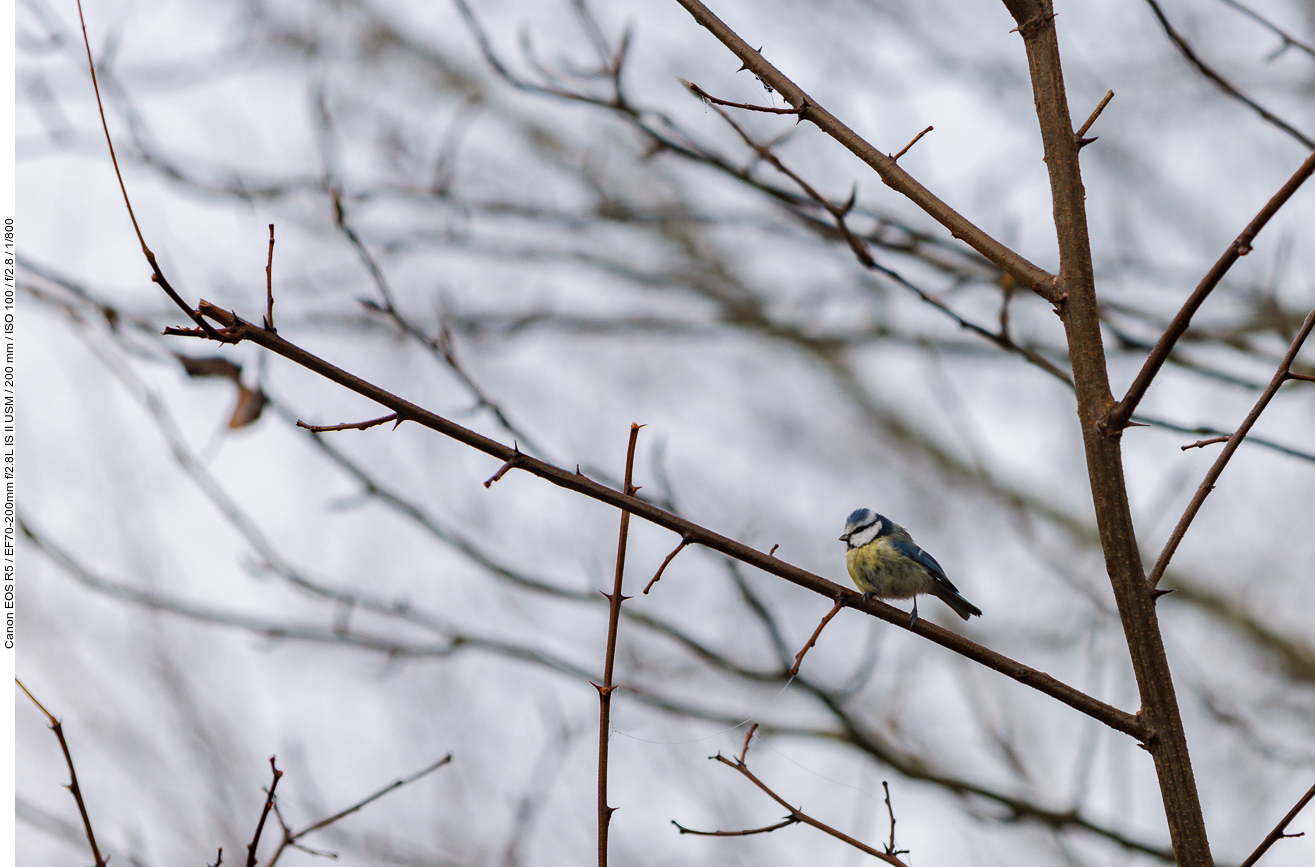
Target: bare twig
1105 100
795 816
157 275
799 657
1121 413
349 425
748 739
290 837
1278 832
684 540
784 823
1208 484
269 283
73 787
906 148
613 622
702 94
1203 443
507 467
264 814
890 847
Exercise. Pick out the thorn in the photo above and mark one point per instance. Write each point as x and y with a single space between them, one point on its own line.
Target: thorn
1157 593
1083 142
746 66
772 553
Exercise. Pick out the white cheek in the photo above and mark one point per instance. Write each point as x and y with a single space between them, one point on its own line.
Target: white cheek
858 540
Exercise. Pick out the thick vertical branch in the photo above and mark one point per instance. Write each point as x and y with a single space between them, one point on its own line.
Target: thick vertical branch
1167 741
605 690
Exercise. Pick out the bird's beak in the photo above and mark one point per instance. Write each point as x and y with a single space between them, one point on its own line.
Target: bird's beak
844 538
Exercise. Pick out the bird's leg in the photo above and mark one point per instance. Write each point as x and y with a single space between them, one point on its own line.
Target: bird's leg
914 619
869 596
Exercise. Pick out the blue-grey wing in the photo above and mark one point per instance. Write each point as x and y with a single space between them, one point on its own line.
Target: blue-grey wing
927 561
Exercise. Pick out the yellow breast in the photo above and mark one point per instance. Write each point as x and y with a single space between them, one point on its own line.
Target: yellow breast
879 569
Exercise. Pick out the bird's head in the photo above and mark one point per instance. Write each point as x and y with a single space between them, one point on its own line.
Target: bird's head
862 526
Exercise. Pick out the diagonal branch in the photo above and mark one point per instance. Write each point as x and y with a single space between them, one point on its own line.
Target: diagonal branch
1279 829
1028 274
240 329
58 728
291 837
1281 376
1121 413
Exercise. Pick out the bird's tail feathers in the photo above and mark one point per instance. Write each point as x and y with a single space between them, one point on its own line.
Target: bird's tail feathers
961 606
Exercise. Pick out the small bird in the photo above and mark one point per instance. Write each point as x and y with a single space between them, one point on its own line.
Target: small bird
885 563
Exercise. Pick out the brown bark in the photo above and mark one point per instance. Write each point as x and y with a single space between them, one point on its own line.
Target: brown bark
1166 740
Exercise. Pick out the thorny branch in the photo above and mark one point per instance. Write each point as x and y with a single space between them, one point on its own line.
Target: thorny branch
58 728
240 329
1080 314
614 600
1029 275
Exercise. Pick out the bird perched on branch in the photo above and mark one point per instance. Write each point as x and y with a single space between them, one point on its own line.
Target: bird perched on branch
885 563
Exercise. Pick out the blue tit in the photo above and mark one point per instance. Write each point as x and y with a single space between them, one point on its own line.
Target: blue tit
884 562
